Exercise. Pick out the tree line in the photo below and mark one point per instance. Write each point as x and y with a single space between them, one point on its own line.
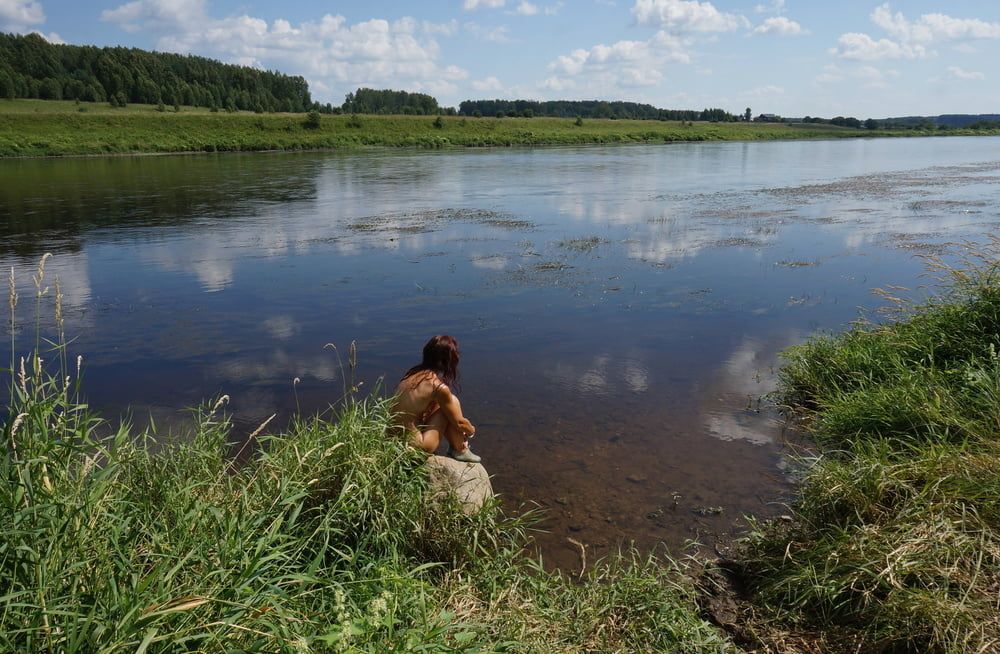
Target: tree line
587 109
31 67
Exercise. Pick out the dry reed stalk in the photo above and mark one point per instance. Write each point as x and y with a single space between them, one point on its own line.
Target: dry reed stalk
16 424
59 301
39 277
262 426
12 293
23 378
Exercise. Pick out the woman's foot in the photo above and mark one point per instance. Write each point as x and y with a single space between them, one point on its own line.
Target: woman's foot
465 456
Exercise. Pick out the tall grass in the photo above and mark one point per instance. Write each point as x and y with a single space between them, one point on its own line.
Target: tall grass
895 544
323 541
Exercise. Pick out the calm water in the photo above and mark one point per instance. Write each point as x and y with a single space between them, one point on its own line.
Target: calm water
620 309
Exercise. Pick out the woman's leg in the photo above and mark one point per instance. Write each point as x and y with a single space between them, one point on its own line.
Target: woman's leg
429 436
436 426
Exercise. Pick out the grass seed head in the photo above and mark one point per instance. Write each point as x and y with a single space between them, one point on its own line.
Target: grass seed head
12 292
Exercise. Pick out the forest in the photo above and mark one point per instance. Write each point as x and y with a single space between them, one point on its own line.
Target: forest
31 67
588 109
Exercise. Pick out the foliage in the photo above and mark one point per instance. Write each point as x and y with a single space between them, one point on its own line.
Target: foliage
587 109
31 67
896 537
387 101
313 120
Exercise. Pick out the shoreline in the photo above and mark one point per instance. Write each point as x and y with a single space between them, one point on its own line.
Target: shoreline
40 130
462 147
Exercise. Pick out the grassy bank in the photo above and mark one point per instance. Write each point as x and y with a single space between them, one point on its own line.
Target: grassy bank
895 543
32 128
323 541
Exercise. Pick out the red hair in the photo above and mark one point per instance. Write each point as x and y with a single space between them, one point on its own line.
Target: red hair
440 356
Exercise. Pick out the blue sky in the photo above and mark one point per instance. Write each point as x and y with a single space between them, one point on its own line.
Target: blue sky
790 57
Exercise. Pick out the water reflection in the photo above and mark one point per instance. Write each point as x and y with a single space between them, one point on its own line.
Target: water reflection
621 309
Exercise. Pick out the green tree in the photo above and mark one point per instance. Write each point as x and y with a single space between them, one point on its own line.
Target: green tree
313 120
747 115
7 90
439 122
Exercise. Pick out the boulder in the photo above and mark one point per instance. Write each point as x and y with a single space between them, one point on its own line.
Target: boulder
469 482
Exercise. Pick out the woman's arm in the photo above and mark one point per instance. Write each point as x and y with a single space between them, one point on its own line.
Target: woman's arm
452 409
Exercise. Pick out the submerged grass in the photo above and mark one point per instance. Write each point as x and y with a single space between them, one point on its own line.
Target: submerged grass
895 545
322 541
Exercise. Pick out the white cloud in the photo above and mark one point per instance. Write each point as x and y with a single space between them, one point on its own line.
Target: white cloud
526 8
932 27
489 84
775 7
470 5
861 47
780 26
910 37
18 15
330 52
955 72
685 16
491 34
622 65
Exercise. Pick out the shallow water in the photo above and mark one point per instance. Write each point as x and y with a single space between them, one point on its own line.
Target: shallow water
620 309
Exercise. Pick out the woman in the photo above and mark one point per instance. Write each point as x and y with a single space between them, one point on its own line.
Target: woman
427 409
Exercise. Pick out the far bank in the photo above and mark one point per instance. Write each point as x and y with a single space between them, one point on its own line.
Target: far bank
33 128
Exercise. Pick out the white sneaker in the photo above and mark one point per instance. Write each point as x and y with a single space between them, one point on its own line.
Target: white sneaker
465 456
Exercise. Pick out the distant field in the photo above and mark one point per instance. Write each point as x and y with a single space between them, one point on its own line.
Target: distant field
31 128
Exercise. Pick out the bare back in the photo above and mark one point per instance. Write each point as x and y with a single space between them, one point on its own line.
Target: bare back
415 400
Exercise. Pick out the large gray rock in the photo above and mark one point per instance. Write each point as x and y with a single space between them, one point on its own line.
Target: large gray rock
469 482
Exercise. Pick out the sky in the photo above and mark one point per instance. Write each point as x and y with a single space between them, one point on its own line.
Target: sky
788 57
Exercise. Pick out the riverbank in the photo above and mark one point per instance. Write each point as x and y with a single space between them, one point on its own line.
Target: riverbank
894 544
37 128
323 541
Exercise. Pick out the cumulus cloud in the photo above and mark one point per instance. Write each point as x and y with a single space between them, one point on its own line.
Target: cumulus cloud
910 38
19 15
932 27
780 26
861 47
330 52
954 72
623 64
685 16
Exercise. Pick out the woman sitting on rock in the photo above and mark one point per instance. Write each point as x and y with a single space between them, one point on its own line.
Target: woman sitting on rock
426 407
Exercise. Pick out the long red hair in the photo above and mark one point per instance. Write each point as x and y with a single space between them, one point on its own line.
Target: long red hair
441 356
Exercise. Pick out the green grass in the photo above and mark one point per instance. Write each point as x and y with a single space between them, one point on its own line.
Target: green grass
324 540
47 128
895 545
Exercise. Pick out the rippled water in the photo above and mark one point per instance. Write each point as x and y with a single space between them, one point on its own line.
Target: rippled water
620 309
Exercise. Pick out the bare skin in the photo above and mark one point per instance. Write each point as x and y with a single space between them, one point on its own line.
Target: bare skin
428 410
